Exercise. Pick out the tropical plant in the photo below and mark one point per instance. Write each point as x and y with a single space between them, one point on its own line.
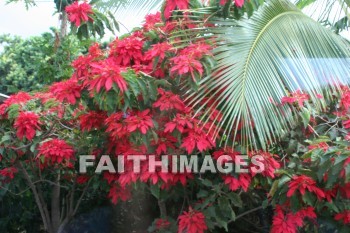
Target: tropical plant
331 13
259 60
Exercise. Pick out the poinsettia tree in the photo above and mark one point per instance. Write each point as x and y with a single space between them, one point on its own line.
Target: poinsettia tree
132 99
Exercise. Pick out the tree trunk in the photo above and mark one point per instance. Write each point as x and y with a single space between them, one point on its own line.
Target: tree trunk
64 23
55 205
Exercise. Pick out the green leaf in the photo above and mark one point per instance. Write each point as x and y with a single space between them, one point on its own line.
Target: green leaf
5 138
273 188
202 193
207 182
13 111
235 199
155 190
305 116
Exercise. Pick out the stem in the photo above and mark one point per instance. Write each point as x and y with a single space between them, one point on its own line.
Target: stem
55 205
162 208
38 200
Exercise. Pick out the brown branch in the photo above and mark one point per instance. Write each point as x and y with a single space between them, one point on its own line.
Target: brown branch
81 197
38 200
34 182
55 204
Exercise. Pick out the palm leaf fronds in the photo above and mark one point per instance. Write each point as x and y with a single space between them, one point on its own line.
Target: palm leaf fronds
259 61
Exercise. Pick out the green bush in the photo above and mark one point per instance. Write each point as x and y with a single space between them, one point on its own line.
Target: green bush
29 64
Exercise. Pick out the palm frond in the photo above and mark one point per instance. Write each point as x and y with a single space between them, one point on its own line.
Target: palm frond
332 13
259 60
129 10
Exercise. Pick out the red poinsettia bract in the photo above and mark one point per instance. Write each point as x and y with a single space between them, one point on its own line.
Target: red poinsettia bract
92 120
303 183
197 139
158 51
270 164
168 101
128 51
19 98
162 224
184 64
171 5
68 90
243 181
238 3
105 74
27 123
192 221
151 20
285 221
79 12
140 121
56 151
343 217
8 173
296 97
116 192
345 98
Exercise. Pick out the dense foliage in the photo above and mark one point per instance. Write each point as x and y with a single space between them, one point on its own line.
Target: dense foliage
129 100
29 64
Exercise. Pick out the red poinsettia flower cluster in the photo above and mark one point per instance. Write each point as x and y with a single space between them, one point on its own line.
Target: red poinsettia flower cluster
68 90
343 217
116 126
168 101
322 145
162 224
158 51
151 20
141 121
192 221
106 73
92 120
79 12
243 181
27 123
345 99
171 5
18 98
296 97
165 142
187 61
303 183
197 138
285 221
119 193
269 161
8 173
82 179
238 3
128 51
56 151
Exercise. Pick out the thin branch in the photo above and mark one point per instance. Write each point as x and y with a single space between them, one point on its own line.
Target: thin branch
81 197
34 182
